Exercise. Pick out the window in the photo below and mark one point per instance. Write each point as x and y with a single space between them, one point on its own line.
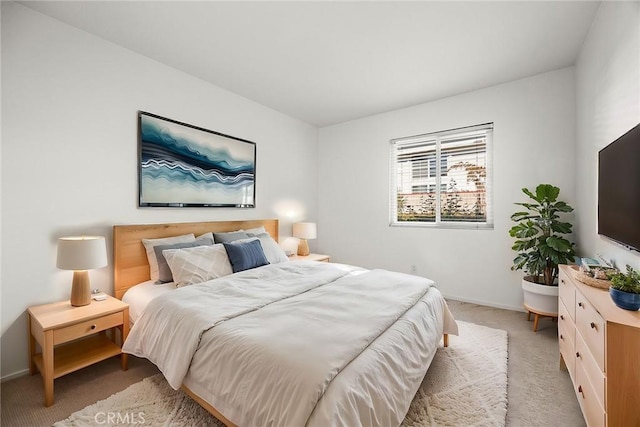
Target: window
442 178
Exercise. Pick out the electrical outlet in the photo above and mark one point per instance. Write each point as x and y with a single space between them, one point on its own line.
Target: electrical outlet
413 269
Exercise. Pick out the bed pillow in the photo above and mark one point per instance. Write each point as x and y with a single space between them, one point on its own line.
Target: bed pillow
245 255
151 255
230 236
272 250
198 264
164 272
256 231
207 235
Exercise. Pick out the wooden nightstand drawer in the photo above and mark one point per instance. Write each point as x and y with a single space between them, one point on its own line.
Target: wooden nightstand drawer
88 327
592 328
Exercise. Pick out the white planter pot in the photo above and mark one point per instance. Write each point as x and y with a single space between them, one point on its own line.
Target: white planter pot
540 299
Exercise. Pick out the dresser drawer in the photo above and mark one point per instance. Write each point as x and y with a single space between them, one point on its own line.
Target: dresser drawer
566 327
586 363
79 330
591 409
567 350
592 328
567 294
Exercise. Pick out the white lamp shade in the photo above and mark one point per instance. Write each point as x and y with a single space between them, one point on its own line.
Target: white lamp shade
305 230
81 253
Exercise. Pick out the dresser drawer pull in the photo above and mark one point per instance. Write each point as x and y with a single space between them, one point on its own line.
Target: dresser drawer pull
577 354
579 304
562 316
93 327
561 337
562 281
580 391
593 325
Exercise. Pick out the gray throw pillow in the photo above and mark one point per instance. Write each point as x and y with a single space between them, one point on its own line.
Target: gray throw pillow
229 237
164 272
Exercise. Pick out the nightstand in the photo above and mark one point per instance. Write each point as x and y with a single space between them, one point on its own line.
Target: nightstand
311 257
72 338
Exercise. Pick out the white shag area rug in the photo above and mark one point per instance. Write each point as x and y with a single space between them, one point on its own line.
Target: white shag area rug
466 385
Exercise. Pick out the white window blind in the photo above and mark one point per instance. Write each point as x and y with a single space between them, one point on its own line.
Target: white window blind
442 178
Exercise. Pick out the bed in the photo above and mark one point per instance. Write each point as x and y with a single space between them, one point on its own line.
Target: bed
244 349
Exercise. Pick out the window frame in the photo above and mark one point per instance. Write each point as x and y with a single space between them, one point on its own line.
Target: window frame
486 129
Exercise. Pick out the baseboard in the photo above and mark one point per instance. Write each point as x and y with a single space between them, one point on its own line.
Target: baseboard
18 374
485 303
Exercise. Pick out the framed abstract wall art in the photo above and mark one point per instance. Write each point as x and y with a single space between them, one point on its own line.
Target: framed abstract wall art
182 165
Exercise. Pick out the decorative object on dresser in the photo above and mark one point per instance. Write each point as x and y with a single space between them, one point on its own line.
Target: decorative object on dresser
311 257
71 338
81 254
182 165
541 248
599 347
304 231
625 289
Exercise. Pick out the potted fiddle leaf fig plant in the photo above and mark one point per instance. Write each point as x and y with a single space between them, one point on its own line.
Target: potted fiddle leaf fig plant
625 289
541 247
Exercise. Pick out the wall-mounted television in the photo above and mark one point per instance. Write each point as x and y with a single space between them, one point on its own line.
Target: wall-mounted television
619 190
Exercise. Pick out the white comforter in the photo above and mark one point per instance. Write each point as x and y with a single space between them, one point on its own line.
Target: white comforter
275 338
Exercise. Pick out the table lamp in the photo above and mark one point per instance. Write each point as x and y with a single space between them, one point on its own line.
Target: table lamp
81 254
304 231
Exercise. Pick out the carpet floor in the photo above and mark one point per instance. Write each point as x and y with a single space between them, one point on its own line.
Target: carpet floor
466 385
539 394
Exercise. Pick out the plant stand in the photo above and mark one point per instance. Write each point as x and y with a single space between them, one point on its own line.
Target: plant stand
537 315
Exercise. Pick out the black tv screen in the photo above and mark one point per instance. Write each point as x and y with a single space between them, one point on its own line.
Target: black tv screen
619 190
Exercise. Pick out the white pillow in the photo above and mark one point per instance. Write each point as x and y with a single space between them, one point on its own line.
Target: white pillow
151 255
271 248
196 265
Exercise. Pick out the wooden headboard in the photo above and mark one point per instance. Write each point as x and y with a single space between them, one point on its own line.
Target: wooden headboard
130 265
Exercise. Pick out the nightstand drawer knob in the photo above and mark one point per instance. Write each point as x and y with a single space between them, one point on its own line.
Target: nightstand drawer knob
93 327
577 354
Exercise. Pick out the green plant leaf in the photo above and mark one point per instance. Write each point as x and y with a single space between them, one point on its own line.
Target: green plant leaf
530 194
547 192
524 231
521 216
558 243
561 227
563 207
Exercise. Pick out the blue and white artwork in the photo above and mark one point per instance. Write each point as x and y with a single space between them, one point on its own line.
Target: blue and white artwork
183 165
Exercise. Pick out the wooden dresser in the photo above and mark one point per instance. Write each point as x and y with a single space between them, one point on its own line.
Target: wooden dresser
600 347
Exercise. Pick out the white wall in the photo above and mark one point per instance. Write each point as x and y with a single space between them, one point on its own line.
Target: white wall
69 154
534 142
608 105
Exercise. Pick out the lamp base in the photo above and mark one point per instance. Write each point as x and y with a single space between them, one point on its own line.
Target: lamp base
303 247
80 289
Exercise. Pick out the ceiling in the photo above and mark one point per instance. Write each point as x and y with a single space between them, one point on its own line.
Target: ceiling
329 62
